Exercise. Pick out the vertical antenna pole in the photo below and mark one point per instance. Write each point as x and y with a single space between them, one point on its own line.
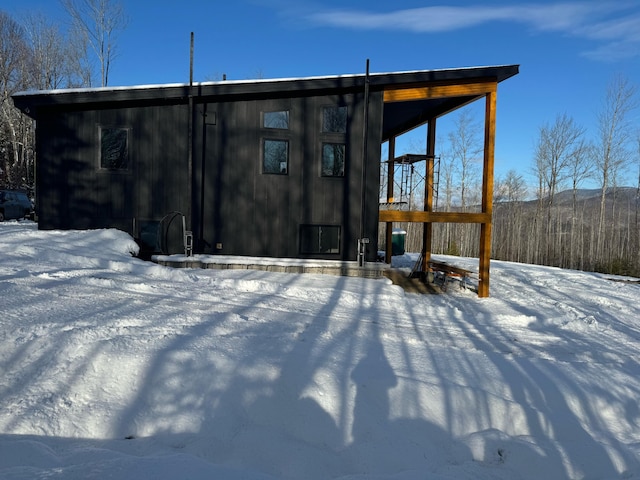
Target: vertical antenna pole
191 63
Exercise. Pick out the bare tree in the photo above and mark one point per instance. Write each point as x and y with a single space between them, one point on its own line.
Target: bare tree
557 148
465 150
580 168
559 145
509 221
612 153
635 237
14 62
97 22
56 60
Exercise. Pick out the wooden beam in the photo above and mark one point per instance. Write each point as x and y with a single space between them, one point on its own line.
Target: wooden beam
487 193
427 228
440 91
417 216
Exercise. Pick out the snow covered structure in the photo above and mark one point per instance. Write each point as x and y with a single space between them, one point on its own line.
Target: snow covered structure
276 168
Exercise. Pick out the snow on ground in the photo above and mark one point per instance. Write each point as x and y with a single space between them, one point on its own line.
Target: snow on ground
112 367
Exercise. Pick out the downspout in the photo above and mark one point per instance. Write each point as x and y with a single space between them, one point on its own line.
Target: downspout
362 240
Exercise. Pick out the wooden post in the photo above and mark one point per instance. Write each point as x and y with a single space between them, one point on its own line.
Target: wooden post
390 179
487 193
427 228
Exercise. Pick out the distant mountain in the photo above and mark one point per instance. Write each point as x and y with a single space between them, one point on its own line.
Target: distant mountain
623 195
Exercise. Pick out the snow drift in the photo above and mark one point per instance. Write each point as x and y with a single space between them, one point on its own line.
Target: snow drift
112 367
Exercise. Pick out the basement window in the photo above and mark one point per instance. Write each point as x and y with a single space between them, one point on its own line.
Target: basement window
333 159
114 148
275 157
319 239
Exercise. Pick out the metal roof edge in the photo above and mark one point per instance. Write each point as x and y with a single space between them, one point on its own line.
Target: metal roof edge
161 86
36 98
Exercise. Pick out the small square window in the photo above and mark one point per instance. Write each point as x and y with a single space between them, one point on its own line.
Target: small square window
275 157
114 148
319 239
333 159
334 119
278 120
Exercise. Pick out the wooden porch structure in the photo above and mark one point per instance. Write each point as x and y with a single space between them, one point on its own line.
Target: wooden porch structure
448 96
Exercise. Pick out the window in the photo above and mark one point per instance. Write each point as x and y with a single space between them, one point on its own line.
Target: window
114 148
334 140
334 120
333 159
275 140
278 120
319 239
275 157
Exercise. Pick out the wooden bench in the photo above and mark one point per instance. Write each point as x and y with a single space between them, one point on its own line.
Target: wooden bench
443 273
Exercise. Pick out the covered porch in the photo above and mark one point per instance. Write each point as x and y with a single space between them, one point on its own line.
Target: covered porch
410 106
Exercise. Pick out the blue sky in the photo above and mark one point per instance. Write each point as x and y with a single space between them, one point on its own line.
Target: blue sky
568 51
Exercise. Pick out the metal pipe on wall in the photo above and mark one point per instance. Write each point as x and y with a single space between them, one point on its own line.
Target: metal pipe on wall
362 241
188 235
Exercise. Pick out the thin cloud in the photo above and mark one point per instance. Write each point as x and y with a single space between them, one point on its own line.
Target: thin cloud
605 22
620 38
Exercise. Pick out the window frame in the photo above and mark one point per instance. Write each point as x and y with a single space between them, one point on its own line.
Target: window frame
330 251
117 169
324 109
322 159
329 137
263 120
263 151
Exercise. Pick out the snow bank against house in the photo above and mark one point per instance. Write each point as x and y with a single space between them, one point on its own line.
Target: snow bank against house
112 367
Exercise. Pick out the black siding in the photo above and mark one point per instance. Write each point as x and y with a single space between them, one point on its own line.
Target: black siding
251 213
74 193
234 203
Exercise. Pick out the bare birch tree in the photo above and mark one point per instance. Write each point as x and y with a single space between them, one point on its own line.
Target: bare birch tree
57 61
465 149
98 22
14 62
558 146
580 168
612 147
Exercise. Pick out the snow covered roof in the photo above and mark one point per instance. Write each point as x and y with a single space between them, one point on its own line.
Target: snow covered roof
29 101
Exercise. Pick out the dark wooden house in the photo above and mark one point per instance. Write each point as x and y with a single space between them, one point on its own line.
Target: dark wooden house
277 168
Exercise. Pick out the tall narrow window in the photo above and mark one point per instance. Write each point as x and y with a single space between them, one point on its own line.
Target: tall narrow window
333 159
275 157
114 148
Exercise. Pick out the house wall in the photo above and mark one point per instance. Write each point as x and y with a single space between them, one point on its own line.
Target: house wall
248 212
236 205
75 192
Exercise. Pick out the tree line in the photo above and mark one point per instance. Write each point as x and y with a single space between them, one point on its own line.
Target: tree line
556 221
37 53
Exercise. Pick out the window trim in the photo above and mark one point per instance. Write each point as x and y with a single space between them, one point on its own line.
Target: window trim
277 129
344 160
116 170
263 152
301 245
322 118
